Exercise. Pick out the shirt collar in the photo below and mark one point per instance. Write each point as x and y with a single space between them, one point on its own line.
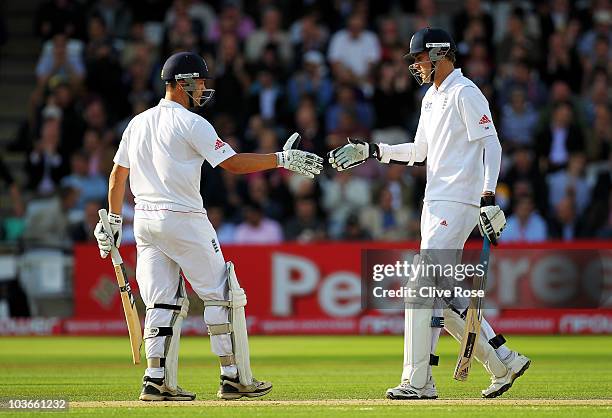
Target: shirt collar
169 103
450 78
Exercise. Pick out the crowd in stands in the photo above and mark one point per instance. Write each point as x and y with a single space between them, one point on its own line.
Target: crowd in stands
328 70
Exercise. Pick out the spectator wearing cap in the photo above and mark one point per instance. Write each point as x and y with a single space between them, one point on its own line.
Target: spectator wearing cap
257 229
313 80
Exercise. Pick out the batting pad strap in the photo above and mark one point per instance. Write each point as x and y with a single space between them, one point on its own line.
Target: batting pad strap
217 303
227 360
156 362
219 329
167 306
434 360
497 341
157 332
437 322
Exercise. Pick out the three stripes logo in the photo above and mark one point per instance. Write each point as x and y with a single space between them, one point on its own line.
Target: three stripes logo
484 120
219 144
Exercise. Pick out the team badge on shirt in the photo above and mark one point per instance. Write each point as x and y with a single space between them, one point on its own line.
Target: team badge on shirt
219 144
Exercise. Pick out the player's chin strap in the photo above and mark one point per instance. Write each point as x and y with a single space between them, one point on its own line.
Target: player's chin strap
172 333
236 327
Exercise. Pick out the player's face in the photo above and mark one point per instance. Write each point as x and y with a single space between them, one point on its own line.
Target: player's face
422 64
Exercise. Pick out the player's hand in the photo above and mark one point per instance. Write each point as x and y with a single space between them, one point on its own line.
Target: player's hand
105 239
302 162
352 154
492 220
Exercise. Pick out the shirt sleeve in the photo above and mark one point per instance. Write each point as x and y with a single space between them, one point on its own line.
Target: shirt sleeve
204 139
492 162
475 112
122 155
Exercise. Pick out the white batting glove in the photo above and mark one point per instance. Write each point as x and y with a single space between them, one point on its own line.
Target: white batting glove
302 162
492 220
105 240
354 153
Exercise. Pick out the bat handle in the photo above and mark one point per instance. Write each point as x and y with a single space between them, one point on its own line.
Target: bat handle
115 256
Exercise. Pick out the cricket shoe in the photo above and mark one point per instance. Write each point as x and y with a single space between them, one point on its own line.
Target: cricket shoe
156 390
231 388
516 365
405 391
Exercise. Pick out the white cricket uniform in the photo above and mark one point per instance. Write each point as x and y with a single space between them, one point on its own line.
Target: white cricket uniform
164 148
454 129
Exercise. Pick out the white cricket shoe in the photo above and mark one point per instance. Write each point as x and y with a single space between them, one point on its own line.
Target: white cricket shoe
405 391
516 365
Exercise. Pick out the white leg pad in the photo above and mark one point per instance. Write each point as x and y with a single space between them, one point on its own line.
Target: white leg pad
484 352
240 339
417 344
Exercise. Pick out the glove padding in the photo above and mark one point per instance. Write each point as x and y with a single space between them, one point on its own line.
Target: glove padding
354 153
492 220
238 298
106 240
302 162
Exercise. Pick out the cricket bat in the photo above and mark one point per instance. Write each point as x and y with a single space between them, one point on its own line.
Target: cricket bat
127 298
473 319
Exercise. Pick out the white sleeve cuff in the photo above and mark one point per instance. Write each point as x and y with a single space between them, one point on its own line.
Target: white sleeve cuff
401 152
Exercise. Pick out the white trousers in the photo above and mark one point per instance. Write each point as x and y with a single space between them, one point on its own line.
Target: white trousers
166 243
444 226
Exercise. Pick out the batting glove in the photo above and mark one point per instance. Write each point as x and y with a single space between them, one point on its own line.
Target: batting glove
354 153
106 240
492 220
302 162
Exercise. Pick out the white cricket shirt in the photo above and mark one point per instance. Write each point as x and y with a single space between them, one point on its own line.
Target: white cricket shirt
454 119
164 148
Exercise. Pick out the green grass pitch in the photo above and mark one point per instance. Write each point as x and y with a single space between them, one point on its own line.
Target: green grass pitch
312 376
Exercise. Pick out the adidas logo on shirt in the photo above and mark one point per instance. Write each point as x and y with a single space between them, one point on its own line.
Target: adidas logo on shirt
219 144
484 120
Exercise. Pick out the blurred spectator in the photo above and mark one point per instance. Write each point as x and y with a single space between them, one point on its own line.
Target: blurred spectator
305 225
266 97
572 182
524 170
231 78
354 51
197 10
89 186
307 35
348 103
564 225
384 221
562 62
82 231
342 195
270 33
525 224
45 166
226 231
11 184
231 21
46 220
517 36
258 189
389 38
599 143
519 120
117 16
311 80
562 137
256 229
61 57
309 127
353 231
183 33
72 125
521 77
60 16
472 24
392 98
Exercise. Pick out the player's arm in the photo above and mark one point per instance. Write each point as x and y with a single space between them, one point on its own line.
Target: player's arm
116 193
302 162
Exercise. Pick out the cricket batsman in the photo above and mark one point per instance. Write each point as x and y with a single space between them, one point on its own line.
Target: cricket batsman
457 140
162 150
